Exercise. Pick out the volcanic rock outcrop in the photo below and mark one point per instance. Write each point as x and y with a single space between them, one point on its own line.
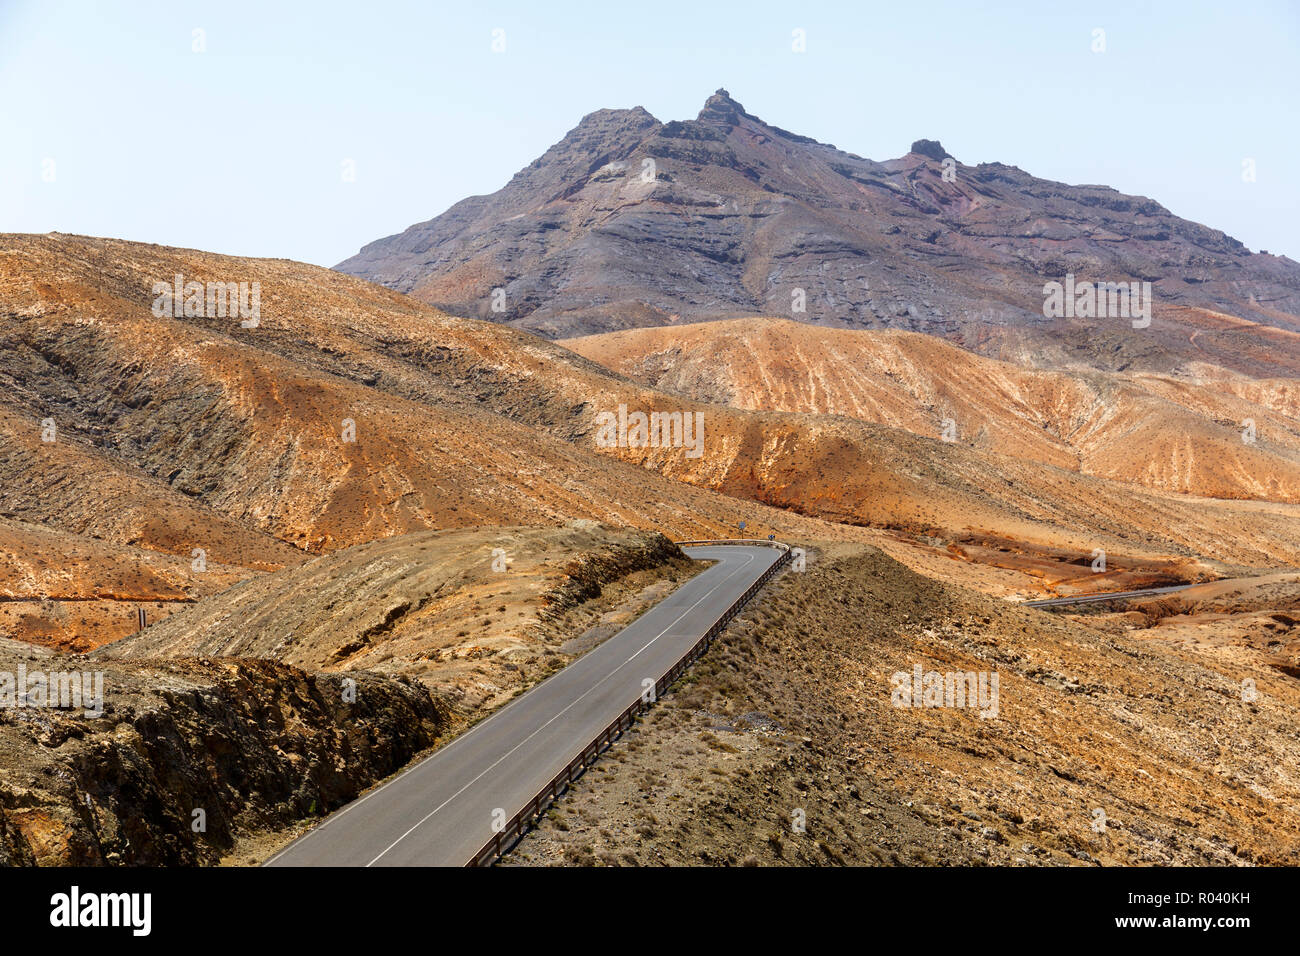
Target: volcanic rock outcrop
189 753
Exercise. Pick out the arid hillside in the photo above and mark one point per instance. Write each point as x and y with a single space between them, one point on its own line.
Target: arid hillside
1253 619
78 483
790 744
351 413
322 493
148 461
76 592
475 615
1173 433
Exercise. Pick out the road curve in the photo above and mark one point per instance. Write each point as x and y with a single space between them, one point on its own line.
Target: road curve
440 811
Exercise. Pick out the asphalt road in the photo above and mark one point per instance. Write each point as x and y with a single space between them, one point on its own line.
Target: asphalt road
440 811
1112 596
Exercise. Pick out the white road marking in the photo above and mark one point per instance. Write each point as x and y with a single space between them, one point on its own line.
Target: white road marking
572 704
443 750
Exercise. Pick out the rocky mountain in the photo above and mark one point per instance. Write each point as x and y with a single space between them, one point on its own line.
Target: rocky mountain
631 222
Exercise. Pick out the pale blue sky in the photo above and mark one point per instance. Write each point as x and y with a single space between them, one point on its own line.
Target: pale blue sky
239 149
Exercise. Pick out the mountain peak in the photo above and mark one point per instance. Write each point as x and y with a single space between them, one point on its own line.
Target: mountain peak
721 108
931 148
736 213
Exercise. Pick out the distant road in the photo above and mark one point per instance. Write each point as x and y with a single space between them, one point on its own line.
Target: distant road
1112 596
440 811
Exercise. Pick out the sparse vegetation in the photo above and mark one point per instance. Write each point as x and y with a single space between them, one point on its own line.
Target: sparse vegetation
807 724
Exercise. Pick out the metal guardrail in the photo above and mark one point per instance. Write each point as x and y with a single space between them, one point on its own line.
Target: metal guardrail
1104 596
766 542
518 825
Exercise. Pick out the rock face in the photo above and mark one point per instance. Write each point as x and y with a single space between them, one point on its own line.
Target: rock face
630 222
251 743
930 148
